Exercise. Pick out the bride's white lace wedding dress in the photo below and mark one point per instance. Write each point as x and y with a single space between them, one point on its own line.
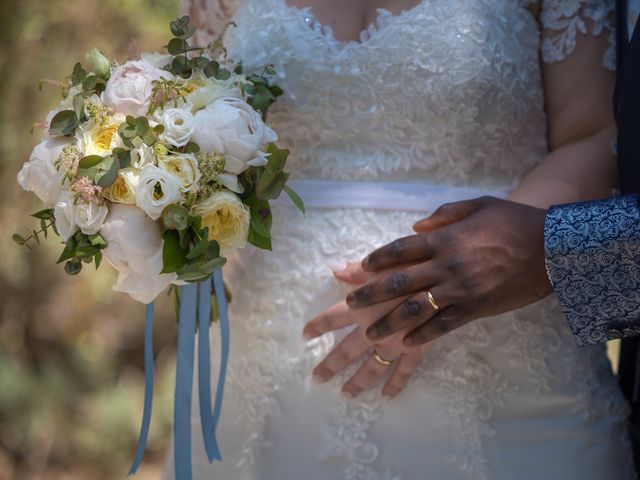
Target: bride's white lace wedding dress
446 93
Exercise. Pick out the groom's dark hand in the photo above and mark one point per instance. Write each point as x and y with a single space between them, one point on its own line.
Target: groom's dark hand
478 258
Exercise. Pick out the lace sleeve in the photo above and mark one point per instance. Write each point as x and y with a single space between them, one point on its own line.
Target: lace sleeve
565 19
209 17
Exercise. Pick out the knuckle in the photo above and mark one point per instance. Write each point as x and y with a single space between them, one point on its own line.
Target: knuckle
441 324
454 264
397 248
410 308
396 282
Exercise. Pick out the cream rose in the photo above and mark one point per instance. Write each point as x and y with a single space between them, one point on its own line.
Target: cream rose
184 168
90 217
97 139
178 126
134 249
129 88
40 175
206 90
64 212
232 127
227 219
142 156
156 190
123 190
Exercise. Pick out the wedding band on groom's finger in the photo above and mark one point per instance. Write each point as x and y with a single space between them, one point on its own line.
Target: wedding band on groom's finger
411 313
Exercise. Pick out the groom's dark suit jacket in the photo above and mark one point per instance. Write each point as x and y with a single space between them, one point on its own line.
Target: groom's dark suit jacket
627 110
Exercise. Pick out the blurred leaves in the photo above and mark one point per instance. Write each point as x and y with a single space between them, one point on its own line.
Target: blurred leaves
70 349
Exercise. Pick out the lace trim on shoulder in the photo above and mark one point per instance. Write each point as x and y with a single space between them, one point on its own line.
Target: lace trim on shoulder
209 17
570 17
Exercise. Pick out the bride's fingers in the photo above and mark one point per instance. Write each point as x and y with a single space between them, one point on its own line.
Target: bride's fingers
353 273
414 311
352 347
404 369
371 372
340 316
394 284
399 252
333 318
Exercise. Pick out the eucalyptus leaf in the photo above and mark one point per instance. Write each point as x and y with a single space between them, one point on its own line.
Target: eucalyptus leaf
46 214
73 267
90 161
109 176
64 123
173 256
295 198
177 46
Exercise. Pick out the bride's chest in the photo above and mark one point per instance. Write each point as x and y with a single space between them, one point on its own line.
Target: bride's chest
472 45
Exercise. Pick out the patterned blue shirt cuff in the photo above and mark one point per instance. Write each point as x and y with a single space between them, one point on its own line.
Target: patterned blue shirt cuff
592 251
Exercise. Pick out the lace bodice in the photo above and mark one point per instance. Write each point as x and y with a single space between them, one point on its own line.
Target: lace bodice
469 97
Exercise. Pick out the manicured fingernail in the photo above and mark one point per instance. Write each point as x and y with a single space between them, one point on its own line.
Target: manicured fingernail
347 394
306 336
320 377
337 266
371 332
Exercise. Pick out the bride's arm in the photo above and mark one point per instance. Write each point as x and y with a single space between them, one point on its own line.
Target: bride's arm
581 131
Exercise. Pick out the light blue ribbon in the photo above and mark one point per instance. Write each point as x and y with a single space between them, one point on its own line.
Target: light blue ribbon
223 316
184 382
148 389
195 300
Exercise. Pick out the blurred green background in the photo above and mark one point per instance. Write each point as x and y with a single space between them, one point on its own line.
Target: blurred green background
70 349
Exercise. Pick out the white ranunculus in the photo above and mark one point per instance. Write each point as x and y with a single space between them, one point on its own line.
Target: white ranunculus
156 190
142 156
90 217
232 127
178 126
40 175
184 168
64 212
227 219
134 249
128 91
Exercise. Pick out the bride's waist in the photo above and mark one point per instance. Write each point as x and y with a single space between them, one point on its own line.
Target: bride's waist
399 196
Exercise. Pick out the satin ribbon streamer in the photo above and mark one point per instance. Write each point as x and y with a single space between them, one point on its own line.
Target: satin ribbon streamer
195 301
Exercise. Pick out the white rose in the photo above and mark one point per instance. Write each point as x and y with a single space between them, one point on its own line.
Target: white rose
207 90
128 91
178 126
134 249
90 217
227 219
232 127
40 175
156 189
64 212
142 156
184 168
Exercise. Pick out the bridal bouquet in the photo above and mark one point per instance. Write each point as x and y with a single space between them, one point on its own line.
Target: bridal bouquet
161 165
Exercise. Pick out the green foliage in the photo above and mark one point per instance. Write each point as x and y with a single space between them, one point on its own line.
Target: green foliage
47 221
82 248
64 123
135 132
188 251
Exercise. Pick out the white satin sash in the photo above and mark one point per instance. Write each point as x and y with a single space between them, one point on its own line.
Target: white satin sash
400 196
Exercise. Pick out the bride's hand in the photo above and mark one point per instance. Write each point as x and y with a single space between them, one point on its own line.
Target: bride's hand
403 360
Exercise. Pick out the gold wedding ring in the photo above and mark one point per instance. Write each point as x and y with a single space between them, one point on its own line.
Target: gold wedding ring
432 301
380 360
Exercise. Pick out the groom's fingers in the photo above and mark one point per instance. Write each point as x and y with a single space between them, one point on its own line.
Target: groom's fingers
352 347
445 321
395 284
399 252
412 312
